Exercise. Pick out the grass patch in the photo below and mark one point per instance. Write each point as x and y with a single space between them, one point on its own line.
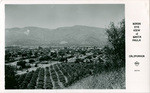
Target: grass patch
114 79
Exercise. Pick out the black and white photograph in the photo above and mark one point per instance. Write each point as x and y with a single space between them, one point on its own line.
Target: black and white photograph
65 46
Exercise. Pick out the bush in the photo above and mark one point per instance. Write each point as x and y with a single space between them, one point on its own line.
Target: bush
31 61
44 58
115 50
57 85
26 81
32 83
21 79
48 84
22 64
41 79
10 81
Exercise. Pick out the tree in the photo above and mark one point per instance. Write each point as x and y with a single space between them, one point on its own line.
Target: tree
21 63
62 53
45 58
31 61
10 81
115 50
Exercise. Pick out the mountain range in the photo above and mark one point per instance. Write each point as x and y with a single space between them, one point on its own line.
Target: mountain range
77 35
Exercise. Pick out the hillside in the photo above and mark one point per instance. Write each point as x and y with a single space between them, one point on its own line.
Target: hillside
105 80
64 36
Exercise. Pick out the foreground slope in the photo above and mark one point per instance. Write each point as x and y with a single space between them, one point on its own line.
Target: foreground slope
105 80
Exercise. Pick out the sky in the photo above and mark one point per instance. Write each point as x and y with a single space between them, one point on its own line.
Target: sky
59 15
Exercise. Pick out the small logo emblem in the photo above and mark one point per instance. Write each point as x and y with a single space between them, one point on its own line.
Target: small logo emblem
136 63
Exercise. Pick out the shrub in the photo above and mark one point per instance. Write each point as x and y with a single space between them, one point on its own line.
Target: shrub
115 50
32 83
48 84
21 79
41 79
10 81
22 64
26 80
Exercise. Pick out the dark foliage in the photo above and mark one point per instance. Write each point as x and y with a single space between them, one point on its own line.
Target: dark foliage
115 50
10 81
22 64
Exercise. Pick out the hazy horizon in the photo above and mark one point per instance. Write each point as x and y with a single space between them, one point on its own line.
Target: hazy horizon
53 16
55 28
